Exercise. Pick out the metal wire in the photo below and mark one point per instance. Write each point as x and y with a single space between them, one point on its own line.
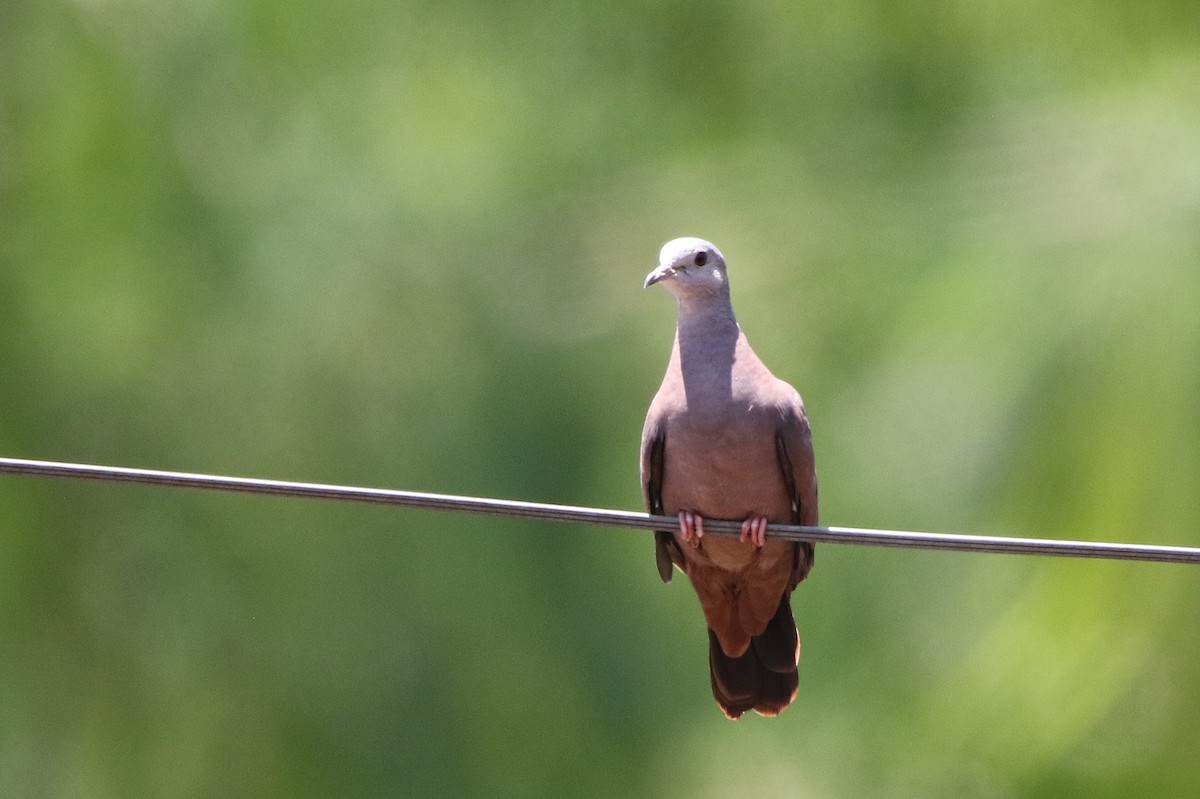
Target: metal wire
601 517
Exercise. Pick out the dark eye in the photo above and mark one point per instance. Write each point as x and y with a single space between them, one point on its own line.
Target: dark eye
701 258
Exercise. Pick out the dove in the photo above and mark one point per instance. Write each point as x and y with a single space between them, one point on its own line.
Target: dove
725 439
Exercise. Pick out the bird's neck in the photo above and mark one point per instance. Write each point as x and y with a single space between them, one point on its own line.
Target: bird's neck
706 341
707 320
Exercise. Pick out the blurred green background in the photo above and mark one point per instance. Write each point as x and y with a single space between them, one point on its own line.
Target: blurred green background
402 244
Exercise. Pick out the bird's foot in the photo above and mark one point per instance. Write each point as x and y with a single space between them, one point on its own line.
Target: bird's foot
754 530
691 527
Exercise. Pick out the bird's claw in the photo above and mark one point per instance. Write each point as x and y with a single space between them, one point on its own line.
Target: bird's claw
691 527
754 530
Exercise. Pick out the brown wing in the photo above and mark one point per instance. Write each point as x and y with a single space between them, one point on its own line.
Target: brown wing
666 550
793 447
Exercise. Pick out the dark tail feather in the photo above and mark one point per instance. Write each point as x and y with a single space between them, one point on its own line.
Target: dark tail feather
778 691
764 679
779 645
736 682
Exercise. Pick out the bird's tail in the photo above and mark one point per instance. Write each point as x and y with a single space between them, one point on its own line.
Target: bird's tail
764 679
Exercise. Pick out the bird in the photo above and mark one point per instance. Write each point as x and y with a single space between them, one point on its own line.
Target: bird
725 439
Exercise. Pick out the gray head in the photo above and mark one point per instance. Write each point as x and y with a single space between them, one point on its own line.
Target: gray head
690 267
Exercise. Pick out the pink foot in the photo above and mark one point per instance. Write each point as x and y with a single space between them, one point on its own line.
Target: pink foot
754 530
691 527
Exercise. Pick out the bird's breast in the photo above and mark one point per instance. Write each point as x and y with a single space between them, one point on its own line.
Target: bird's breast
724 467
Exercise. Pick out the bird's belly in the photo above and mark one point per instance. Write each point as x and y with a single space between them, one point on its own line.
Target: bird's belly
728 475
730 554
731 473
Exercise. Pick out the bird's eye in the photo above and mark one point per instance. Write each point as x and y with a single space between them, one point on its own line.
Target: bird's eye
701 259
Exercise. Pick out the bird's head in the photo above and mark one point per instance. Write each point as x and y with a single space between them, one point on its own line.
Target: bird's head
689 267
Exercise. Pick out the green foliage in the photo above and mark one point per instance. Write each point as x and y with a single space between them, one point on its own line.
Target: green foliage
402 245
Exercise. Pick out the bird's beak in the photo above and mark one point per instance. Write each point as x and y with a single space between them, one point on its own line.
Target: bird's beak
663 272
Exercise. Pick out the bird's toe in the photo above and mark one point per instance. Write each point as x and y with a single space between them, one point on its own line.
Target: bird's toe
691 527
